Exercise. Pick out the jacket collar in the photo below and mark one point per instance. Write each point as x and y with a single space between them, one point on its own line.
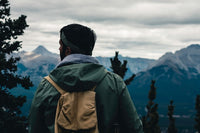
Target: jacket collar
77 59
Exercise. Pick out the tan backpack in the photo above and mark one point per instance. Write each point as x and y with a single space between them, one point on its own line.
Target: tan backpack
76 111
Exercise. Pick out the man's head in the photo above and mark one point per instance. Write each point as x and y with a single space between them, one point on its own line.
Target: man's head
76 39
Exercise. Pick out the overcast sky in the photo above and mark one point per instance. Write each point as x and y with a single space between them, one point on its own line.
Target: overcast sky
135 28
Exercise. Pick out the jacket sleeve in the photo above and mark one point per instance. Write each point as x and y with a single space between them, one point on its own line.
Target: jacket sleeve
129 118
36 117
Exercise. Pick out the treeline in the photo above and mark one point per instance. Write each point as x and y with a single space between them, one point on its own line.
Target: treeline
151 119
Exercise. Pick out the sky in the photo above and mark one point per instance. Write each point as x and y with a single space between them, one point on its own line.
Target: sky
135 28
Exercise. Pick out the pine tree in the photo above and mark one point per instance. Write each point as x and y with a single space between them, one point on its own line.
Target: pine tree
150 121
172 127
10 114
197 117
120 68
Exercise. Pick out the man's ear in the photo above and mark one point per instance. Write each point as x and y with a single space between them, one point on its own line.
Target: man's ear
68 51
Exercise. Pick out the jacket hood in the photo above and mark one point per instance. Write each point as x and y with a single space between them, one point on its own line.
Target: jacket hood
77 59
78 77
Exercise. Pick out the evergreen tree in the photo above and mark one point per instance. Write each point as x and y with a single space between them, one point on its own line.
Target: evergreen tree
197 117
120 68
150 121
10 114
172 127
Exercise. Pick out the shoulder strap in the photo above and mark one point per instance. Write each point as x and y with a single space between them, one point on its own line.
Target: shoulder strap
61 90
93 89
55 85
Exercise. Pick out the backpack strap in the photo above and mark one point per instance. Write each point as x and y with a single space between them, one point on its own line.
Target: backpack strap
93 89
55 85
58 87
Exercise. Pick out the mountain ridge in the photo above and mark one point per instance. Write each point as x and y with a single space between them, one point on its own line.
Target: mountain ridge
40 53
185 58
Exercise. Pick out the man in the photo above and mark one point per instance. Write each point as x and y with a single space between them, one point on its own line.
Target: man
78 69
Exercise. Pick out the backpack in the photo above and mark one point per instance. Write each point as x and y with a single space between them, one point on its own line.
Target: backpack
76 111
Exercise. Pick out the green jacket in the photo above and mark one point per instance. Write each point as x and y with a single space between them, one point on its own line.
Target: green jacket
112 98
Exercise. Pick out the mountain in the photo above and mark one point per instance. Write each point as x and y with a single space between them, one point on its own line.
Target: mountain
177 78
186 59
42 51
38 63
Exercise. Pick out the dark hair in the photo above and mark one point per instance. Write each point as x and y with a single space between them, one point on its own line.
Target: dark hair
81 36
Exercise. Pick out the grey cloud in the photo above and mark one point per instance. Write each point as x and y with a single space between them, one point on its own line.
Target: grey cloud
120 24
129 12
49 32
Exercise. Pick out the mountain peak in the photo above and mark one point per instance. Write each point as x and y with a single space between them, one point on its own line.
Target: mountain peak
41 50
191 49
194 46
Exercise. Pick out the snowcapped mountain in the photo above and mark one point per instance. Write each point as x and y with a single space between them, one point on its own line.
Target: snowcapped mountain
41 50
37 57
37 63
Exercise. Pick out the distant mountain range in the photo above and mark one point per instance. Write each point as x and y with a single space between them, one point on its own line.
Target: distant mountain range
40 62
177 78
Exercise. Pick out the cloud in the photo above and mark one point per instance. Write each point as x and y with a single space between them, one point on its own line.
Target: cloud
128 11
148 27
